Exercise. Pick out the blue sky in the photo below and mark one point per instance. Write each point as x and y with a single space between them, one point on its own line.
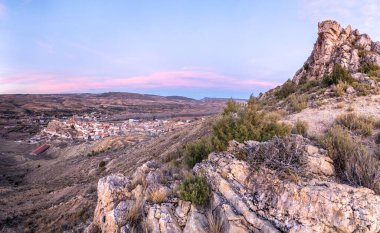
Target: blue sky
229 48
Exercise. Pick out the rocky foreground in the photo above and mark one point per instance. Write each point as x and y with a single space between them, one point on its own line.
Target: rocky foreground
283 185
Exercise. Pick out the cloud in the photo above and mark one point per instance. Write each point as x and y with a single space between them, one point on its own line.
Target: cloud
361 14
36 82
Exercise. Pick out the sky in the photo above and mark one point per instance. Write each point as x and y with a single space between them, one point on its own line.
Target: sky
197 48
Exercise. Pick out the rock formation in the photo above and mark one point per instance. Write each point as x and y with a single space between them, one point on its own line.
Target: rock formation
337 45
283 185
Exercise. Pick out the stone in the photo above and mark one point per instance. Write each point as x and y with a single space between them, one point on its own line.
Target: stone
316 204
336 45
196 222
182 211
251 197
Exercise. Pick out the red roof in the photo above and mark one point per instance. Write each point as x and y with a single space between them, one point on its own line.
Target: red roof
40 149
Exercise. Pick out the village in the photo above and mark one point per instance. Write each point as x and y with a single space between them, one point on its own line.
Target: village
88 128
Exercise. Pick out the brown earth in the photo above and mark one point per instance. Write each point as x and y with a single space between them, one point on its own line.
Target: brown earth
56 191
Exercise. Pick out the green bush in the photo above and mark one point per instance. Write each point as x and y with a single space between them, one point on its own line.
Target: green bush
194 189
359 124
195 152
339 73
369 68
286 89
247 124
298 102
300 127
351 160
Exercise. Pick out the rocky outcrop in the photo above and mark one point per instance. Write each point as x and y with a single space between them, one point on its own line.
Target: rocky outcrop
337 45
308 204
283 185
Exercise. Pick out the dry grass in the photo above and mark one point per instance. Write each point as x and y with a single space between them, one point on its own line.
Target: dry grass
359 124
138 179
351 160
298 102
300 127
157 194
135 214
216 223
280 155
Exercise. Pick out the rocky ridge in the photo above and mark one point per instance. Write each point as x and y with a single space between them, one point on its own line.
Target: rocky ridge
296 190
338 45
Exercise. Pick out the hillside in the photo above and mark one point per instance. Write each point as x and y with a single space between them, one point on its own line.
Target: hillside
303 157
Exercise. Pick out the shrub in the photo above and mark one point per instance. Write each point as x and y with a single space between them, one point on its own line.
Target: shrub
298 102
369 68
306 86
231 107
341 88
360 124
362 89
285 90
194 189
195 152
351 160
300 127
339 73
247 124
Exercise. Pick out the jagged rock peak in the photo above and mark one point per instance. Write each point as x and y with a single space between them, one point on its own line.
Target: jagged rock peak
338 45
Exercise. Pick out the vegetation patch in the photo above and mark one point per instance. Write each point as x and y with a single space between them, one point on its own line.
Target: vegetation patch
157 194
216 222
286 89
362 89
244 123
369 68
280 155
351 160
196 151
359 124
300 127
298 102
338 74
194 189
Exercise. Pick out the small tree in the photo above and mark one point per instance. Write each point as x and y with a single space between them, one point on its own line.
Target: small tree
339 73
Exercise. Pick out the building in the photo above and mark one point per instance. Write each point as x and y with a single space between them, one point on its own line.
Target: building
40 149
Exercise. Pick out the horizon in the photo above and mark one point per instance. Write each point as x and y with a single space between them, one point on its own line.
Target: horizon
193 49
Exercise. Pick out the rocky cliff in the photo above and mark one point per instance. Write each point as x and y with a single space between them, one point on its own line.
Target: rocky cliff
337 45
283 185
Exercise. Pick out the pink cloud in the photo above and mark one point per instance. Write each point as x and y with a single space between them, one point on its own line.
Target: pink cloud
34 82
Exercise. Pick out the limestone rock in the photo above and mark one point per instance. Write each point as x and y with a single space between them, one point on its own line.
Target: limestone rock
196 221
270 203
251 195
337 45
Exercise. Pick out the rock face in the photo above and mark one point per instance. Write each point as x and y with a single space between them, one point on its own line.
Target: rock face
283 185
337 45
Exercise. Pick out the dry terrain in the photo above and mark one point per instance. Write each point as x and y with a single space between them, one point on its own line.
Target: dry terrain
56 191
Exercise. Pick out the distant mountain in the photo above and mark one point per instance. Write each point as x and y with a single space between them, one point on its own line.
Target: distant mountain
222 99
